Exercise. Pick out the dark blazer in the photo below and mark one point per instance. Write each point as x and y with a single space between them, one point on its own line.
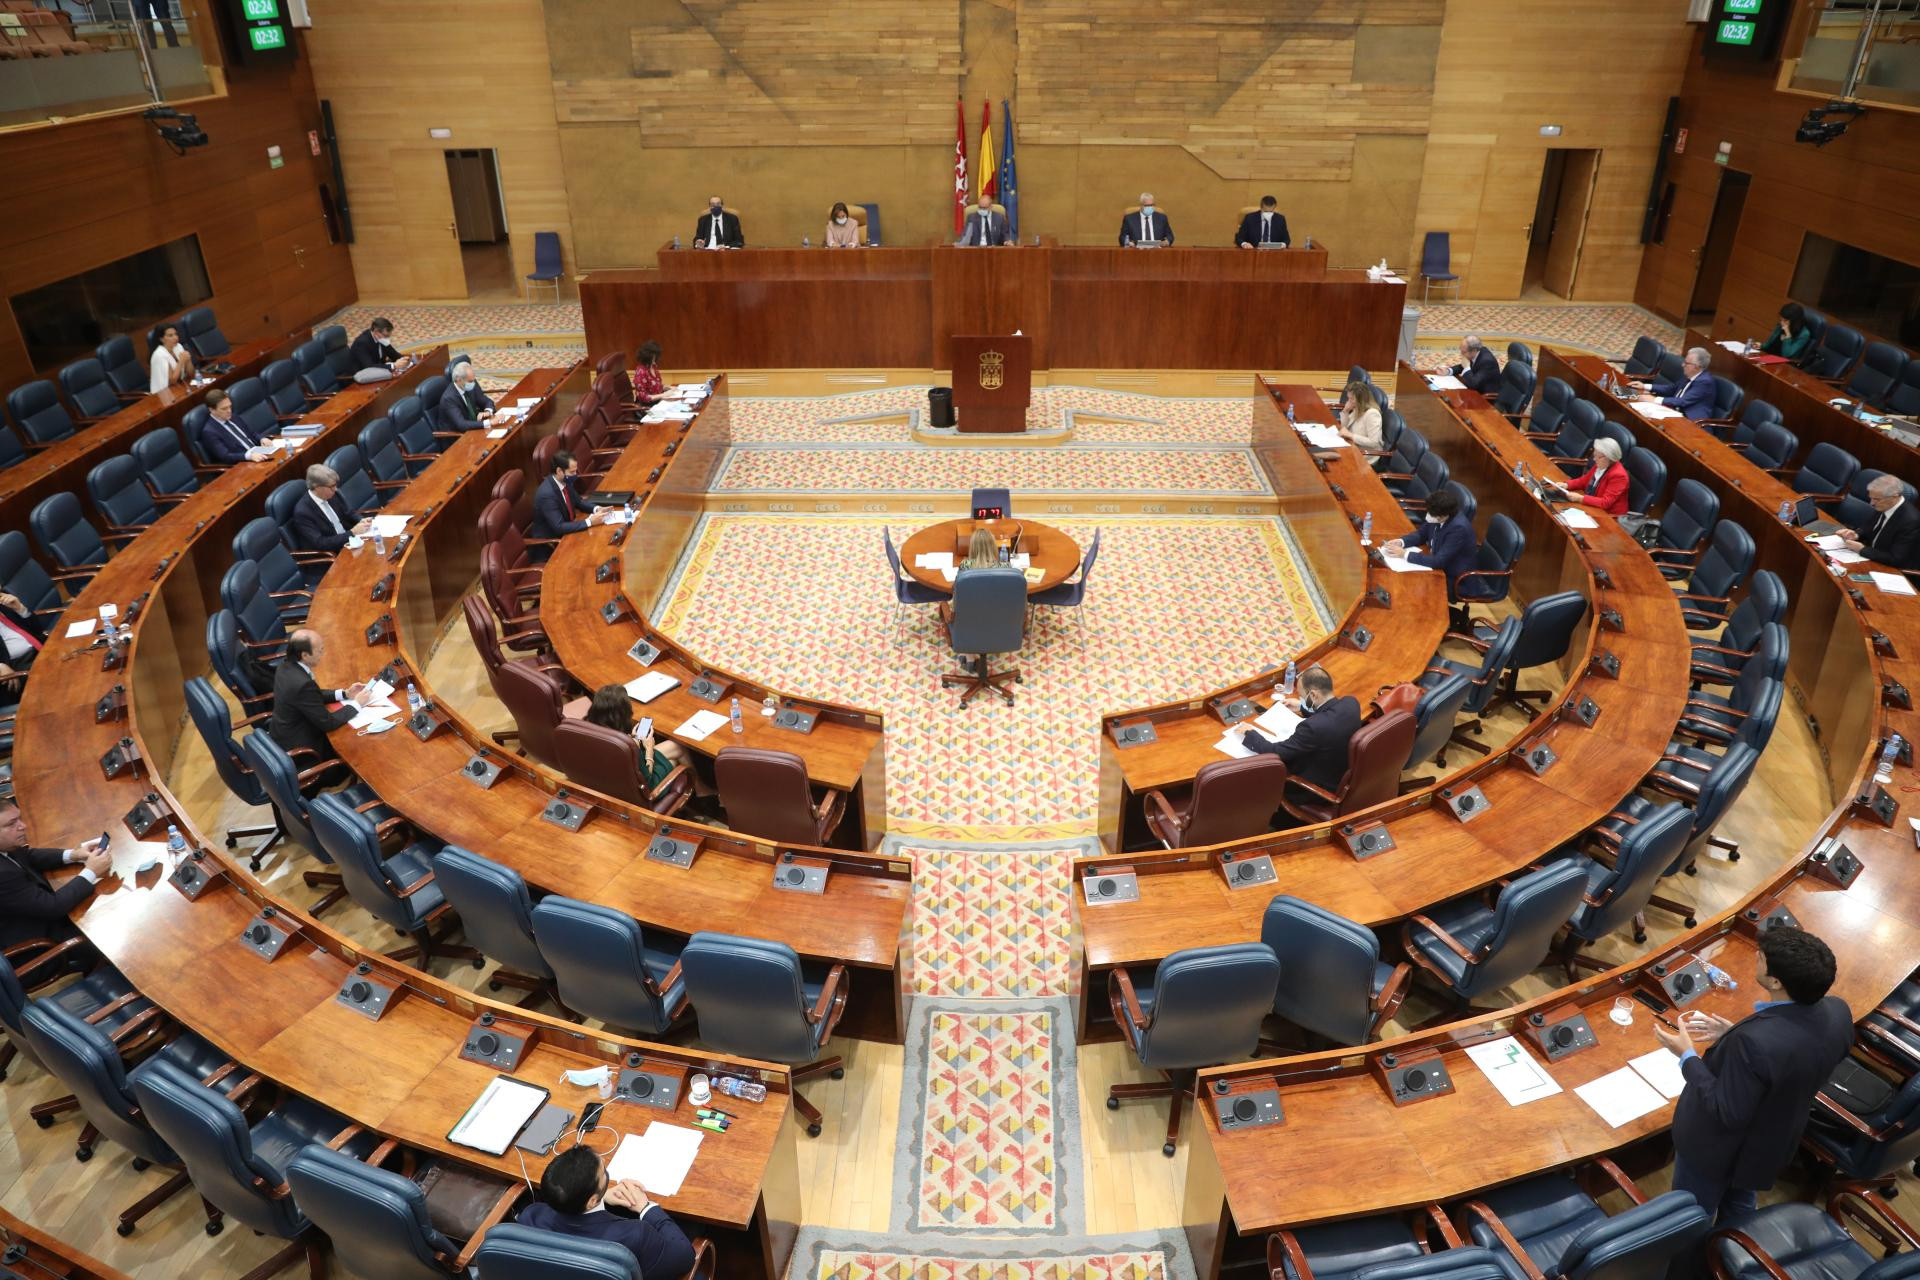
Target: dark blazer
730 234
311 532
1747 1099
1450 546
221 445
550 518
34 626
369 352
1893 539
1157 224
30 907
300 715
654 1238
994 232
462 413
1483 375
1249 232
1695 399
1317 751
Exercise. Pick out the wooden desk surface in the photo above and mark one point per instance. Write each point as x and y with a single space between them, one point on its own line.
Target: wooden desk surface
280 1018
1053 553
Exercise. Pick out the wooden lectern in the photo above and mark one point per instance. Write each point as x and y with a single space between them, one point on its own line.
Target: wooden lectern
992 381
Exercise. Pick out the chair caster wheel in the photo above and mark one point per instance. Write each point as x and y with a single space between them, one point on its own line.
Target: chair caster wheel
1691 922
1693 869
493 986
813 1131
1113 1104
839 1073
45 1122
1166 1150
479 962
215 1228
83 1154
1639 935
1733 855
141 1165
123 1230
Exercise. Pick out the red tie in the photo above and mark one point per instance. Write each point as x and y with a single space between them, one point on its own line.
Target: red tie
566 496
33 641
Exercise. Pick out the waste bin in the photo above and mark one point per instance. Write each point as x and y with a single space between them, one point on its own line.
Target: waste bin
940 406
1409 328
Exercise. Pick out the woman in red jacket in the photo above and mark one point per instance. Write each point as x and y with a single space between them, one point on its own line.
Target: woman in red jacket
1604 483
647 384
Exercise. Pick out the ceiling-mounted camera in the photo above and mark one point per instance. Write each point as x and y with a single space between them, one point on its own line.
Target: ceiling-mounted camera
179 130
1819 130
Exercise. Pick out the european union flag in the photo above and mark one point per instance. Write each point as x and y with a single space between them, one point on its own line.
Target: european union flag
1009 194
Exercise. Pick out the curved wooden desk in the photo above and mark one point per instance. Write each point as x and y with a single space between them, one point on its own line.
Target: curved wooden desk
1053 552
857 921
1243 1184
1185 900
35 1253
281 1018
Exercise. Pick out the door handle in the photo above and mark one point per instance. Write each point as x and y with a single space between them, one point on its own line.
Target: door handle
453 230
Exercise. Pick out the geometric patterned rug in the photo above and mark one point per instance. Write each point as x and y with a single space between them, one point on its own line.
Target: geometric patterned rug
1222 472
825 1254
1095 415
992 922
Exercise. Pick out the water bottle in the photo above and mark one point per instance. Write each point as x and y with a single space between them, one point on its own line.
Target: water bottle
806 242
747 1090
1290 421
1287 680
676 242
1366 529
1883 773
1786 513
629 506
414 700
1520 471
1309 243
1036 239
176 843
1752 346
739 725
379 543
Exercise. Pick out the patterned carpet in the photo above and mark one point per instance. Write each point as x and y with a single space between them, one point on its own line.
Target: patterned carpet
1224 472
991 923
1095 416
840 1255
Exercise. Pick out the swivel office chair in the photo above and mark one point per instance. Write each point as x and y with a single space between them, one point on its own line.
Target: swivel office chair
251 407
1572 430
1646 480
1228 800
122 368
1771 447
1891 1027
1754 414
1355 1246
756 999
496 914
215 725
387 463
1332 980
1516 388
1719 660
263 626
1550 410
1671 368
163 466
285 396
1717 574
1071 594
285 574
88 391
119 493
1546 633
1471 948
767 794
283 781
1854 510
1469 1263
1203 1008
379 1222
1800 1242
608 761
413 428
1684 528
63 533
1434 717
12 451
536 700
1617 895
316 376
1839 348
1827 470
201 332
1646 357
36 409
1491 578
102 996
989 617
514 1252
333 340
1871 1142
606 967
363 494
1483 682
1719 718
279 508
1376 755
1557 1226
398 888
21 575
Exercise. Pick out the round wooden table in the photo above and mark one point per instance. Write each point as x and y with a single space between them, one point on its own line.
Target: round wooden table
1053 552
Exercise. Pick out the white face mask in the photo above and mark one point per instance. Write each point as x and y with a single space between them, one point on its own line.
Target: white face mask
1433 519
840 218
1146 208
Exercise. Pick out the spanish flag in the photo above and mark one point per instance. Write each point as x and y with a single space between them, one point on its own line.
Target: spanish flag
989 171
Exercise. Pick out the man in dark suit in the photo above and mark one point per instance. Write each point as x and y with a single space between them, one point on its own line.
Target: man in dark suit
984 226
374 348
558 508
1317 749
1693 393
1443 540
1480 368
321 520
22 633
718 229
30 907
463 405
1265 225
1893 536
576 1200
224 438
1746 1100
1146 224
300 716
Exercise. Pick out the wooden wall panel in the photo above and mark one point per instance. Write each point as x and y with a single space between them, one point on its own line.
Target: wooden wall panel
1863 190
83 194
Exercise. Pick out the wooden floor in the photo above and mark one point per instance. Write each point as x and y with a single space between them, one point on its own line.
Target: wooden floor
847 1172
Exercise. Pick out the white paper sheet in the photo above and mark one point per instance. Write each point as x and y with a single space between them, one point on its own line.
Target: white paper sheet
1653 410
1575 518
1661 1070
1400 564
657 1159
495 433
1894 584
1231 746
379 691
387 526
498 1115
84 628
1621 1097
526 402
933 560
949 573
1021 561
651 685
1322 437
699 725
1514 1072
1827 542
373 715
1278 721
1738 348
1844 556
1445 382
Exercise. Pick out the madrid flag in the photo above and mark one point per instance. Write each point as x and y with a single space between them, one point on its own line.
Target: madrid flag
959 167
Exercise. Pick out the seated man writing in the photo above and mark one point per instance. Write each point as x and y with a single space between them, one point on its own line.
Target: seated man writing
576 1200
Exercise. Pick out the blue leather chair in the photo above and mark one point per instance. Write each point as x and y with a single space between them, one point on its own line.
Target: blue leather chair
165 469
1726 777
1453 1264
93 996
236 1166
124 372
1429 476
1558 1227
989 617
987 498
1469 505
1483 681
1754 415
1472 948
275 767
1717 574
1516 388
1719 718
1719 660
287 575
1072 594
398 889
605 967
1434 716
1671 368
201 332
1684 528
36 409
1827 470
12 452
215 725
378 1221
1800 1242
1904 398
120 494
333 340
1890 1025
1646 357
62 531
1870 1135
1550 410
1583 424
1546 632
22 575
756 999
514 1252
262 625
413 427
1406 454
315 374
1332 980
1491 578
1646 480
86 1060
1617 895
1435 264
279 508
363 494
1839 348
429 390
252 407
1816 325
1727 397
1344 1250
496 914
1520 351
1608 429
1687 761
191 424
906 591
88 391
1771 448
247 678
285 396
1202 1007
386 463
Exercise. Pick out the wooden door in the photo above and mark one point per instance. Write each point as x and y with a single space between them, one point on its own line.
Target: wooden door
424 204
1570 221
1504 232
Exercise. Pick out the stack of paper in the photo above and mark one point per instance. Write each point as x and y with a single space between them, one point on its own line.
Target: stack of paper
526 402
385 526
376 713
302 429
1445 382
1661 1070
686 391
1278 721
1322 437
1400 564
933 560
84 628
1513 1071
1894 584
495 433
657 1159
651 685
1621 1097
1738 348
699 725
1653 410
1575 518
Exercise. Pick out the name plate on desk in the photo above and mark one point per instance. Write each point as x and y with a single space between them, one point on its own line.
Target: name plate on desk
644 652
1103 887
1138 733
798 875
1683 978
795 719
1247 1109
1246 871
671 849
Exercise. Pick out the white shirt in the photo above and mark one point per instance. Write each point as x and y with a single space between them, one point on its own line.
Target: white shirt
86 873
715 231
160 367
1146 224
1266 226
16 645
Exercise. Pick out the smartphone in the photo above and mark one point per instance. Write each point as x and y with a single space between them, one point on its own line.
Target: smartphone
643 726
103 840
590 1117
1650 1000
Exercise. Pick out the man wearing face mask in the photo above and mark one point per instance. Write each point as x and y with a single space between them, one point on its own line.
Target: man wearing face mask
1449 545
463 405
1317 749
718 229
1146 224
984 226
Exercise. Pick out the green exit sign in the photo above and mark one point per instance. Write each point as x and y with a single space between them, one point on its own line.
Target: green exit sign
268 10
264 38
1743 6
1732 32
